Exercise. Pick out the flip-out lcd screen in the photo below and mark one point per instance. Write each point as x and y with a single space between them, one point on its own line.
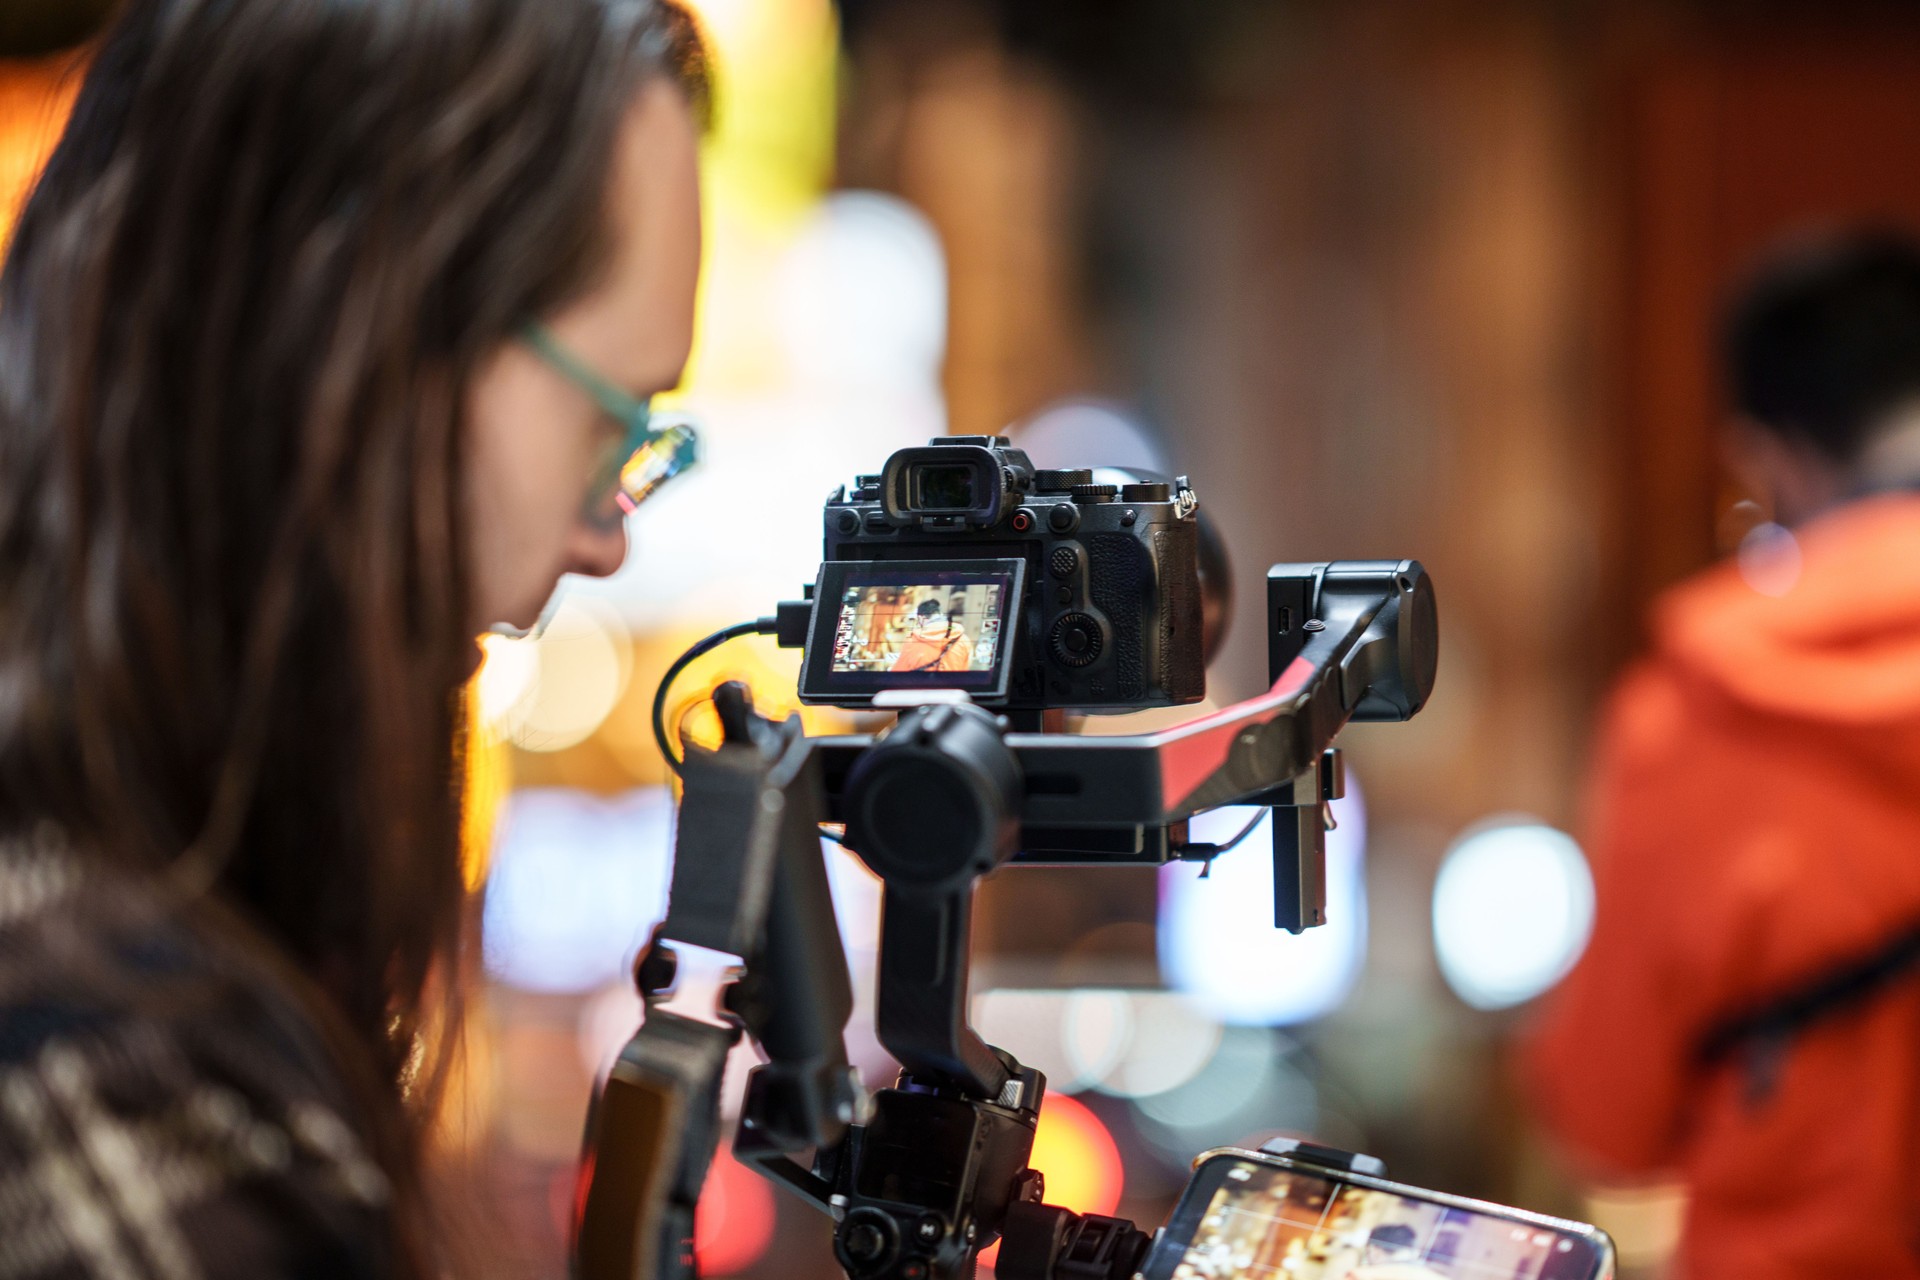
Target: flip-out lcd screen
911 624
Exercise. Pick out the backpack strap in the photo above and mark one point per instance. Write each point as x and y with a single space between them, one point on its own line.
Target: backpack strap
1759 1035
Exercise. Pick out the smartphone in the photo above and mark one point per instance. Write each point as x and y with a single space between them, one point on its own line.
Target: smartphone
1257 1215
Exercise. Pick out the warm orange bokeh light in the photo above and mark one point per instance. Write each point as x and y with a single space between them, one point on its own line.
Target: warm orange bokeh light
1078 1156
34 100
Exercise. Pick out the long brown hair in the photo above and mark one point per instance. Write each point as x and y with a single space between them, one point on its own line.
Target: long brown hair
237 324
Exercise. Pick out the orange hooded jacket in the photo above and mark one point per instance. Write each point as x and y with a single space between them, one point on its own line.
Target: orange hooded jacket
1755 824
937 647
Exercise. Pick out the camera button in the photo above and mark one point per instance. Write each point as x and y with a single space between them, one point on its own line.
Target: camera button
1064 595
1022 520
1063 562
1063 518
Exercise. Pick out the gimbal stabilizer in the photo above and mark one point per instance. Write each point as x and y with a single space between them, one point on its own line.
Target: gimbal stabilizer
931 1170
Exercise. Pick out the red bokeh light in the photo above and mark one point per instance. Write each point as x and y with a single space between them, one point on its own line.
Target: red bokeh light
733 1224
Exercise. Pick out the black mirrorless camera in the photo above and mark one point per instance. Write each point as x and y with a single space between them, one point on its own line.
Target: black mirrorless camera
961 566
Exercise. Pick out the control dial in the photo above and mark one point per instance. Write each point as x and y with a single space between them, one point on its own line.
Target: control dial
1060 480
1075 640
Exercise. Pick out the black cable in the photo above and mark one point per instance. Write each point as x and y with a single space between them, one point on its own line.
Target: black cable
1204 854
759 627
1244 832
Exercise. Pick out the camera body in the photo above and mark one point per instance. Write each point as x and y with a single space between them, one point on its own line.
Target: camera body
1102 582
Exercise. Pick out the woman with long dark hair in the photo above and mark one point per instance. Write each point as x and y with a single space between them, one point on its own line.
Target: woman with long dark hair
325 345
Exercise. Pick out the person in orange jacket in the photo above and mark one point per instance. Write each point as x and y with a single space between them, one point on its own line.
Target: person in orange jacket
938 641
1747 1013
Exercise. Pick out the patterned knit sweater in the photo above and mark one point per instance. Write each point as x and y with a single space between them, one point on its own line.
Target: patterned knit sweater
162 1116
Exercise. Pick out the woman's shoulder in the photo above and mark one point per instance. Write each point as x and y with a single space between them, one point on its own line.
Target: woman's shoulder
162 1110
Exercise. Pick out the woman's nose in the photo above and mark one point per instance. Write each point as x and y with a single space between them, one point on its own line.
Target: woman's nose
597 549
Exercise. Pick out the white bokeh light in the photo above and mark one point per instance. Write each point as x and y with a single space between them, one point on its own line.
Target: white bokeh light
577 883
1168 1042
1128 1044
506 680
1769 559
1512 909
1028 1024
1218 943
1095 1029
550 693
862 296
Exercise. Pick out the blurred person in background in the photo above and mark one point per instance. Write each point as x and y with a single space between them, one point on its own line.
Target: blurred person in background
1747 1014
936 641
326 340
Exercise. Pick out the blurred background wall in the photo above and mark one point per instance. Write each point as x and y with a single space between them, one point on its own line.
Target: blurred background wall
1386 280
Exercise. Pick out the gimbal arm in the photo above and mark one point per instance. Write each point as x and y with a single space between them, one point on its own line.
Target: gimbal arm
940 1168
1350 640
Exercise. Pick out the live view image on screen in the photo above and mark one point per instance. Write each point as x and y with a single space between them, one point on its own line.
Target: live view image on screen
918 627
1270 1222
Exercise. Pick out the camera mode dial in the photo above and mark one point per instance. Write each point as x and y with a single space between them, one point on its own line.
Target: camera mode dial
1095 492
1075 640
1061 480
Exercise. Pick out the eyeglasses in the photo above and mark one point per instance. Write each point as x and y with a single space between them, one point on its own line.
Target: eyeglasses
646 457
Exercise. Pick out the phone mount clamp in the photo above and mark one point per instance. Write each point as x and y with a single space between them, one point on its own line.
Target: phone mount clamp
924 1174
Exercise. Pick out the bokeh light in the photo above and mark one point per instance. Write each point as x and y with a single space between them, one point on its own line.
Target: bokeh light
34 100
1217 940
734 1219
1257 1083
1168 1041
1078 1156
551 692
1232 1079
1124 1043
1028 1024
1769 559
1512 909
1095 1032
577 883
863 297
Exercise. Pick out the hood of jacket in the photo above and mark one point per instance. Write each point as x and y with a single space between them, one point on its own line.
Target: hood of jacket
1822 624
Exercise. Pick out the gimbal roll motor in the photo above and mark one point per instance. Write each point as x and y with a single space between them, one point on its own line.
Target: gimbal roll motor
971 593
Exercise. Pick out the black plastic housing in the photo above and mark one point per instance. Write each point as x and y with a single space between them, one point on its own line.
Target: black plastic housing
1110 617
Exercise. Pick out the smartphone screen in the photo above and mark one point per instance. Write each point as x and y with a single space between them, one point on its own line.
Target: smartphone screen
1243 1216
